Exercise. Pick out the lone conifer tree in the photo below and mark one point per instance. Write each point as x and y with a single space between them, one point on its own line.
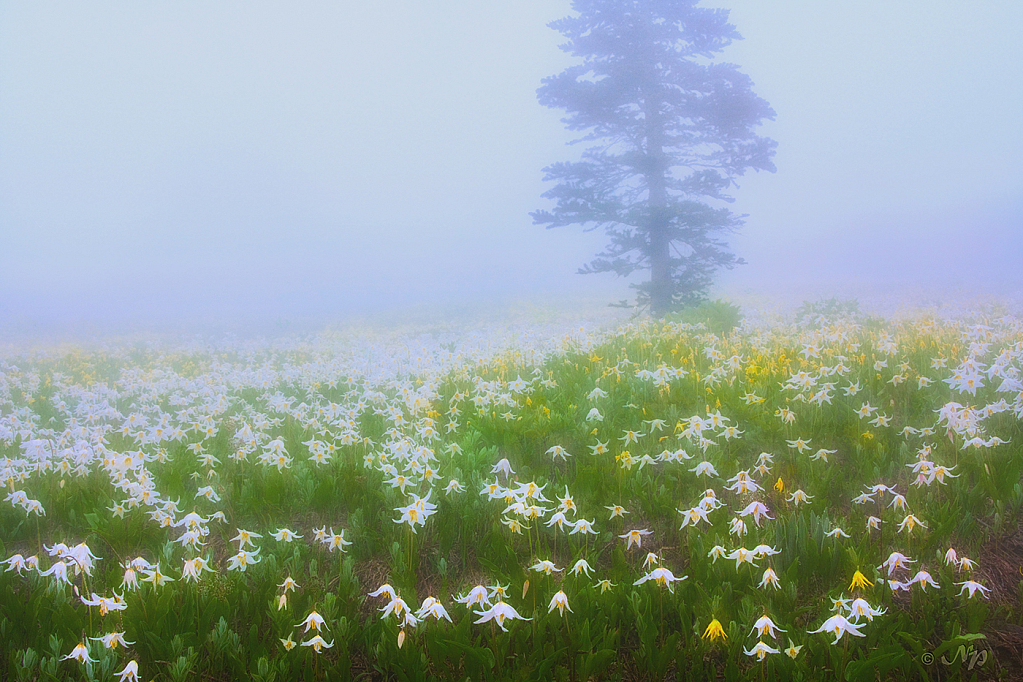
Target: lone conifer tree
673 130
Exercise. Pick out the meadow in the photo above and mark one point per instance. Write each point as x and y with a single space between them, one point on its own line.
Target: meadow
828 496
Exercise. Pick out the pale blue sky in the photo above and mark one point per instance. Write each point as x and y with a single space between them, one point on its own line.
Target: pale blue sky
196 158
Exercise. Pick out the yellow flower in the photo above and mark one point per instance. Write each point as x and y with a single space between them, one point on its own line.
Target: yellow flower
714 630
779 485
860 581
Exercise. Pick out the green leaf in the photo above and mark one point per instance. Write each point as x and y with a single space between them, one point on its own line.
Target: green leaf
541 671
93 520
594 664
955 642
482 660
874 666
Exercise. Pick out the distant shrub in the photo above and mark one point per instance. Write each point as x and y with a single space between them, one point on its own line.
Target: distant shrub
829 309
718 316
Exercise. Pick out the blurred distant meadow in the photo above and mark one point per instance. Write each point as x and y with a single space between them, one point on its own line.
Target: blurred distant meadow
830 490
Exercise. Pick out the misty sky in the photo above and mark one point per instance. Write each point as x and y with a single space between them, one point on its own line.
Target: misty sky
326 158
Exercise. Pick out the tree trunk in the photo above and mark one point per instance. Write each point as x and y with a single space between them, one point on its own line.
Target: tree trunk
661 288
661 292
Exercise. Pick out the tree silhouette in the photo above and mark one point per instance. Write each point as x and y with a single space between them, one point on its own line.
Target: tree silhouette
672 132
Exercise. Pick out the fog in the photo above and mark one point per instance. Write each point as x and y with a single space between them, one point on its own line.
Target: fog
192 162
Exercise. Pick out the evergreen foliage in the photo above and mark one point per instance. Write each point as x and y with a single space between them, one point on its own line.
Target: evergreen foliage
672 130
